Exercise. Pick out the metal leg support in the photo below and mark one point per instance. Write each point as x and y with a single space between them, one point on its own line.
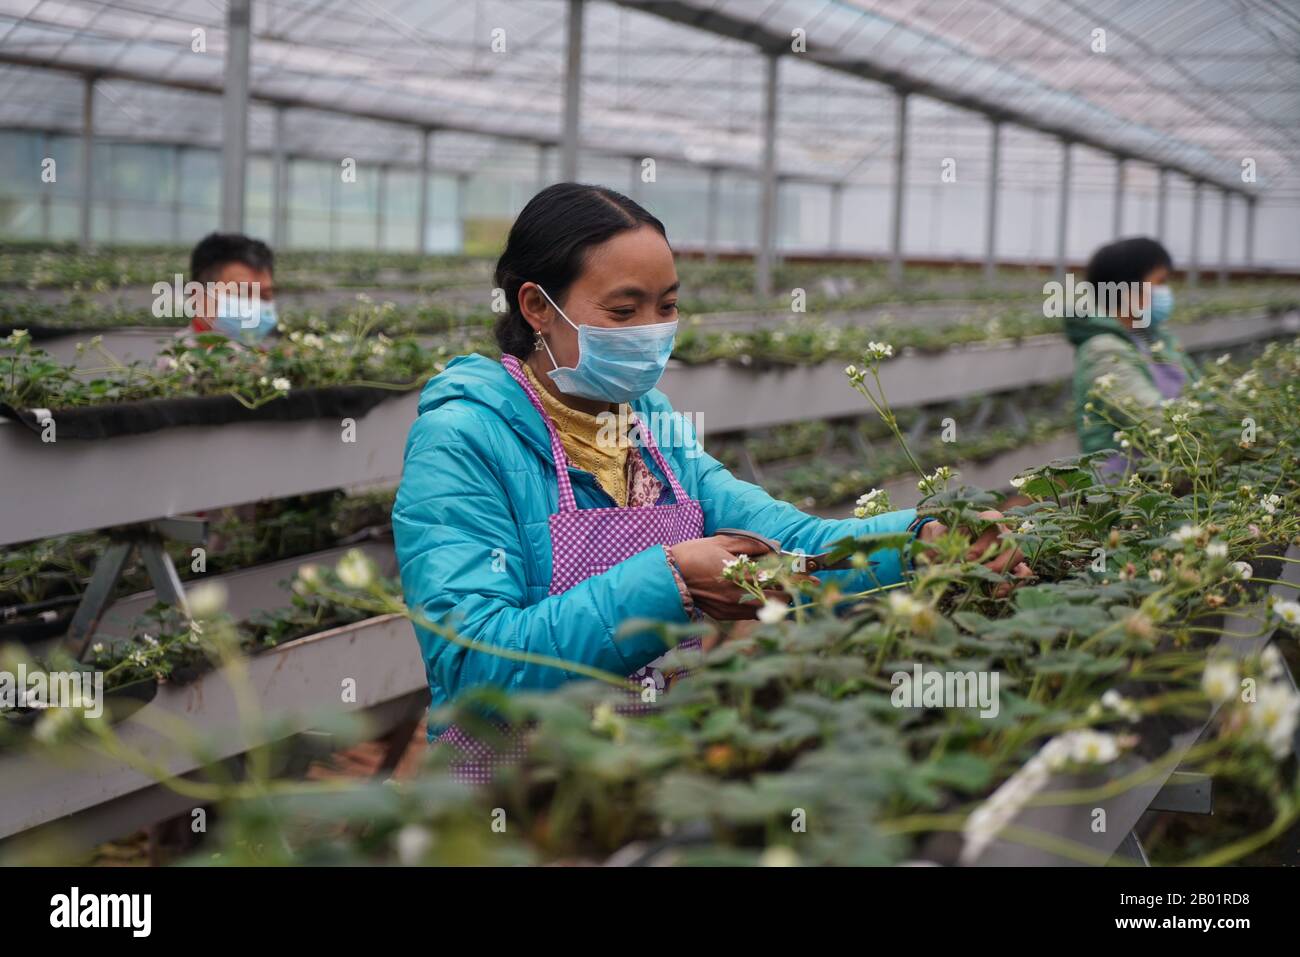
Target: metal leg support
147 538
1130 851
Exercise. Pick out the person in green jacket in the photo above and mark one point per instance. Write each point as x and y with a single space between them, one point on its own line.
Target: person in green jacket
1126 361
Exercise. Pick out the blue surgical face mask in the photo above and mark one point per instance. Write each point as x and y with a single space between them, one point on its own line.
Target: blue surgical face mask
251 328
615 364
1162 304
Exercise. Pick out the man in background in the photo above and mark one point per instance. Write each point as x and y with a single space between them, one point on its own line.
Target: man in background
245 268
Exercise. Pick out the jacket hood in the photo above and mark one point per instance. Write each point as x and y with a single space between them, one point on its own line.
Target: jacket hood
476 378
1079 329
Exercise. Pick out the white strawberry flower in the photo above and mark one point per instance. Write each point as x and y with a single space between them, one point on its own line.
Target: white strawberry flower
414 841
1094 747
778 856
902 604
1274 715
1288 611
773 611
1220 681
206 600
355 569
875 502
1122 706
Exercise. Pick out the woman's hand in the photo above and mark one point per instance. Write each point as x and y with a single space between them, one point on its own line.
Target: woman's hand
701 561
988 548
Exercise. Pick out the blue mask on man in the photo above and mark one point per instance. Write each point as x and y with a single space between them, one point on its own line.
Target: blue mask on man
252 328
615 363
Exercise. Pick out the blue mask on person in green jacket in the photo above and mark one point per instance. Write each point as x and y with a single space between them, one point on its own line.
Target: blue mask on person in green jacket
1162 304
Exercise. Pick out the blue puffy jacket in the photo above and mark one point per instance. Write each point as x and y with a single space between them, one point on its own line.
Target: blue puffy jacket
474 549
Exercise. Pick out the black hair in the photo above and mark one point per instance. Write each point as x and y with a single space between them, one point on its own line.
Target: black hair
548 245
1127 261
216 249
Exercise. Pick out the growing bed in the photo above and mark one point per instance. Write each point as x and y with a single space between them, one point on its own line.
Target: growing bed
1075 822
297 686
723 752
181 470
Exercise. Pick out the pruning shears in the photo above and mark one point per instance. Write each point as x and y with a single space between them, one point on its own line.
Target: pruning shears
834 560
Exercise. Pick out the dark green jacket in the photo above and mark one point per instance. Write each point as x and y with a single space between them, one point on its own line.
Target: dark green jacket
1103 346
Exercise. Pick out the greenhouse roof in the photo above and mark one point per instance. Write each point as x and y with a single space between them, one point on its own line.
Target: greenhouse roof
682 80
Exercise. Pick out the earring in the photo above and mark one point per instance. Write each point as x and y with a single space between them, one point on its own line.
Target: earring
538 343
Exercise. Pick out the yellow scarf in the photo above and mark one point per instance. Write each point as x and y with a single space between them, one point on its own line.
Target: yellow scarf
590 441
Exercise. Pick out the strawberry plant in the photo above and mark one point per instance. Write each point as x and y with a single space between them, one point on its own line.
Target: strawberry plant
210 364
788 744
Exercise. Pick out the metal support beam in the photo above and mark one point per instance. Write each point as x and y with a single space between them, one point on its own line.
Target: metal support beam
178 169
108 159
1063 208
98 593
836 217
234 117
572 94
711 215
462 207
422 235
1194 260
1186 792
87 158
1130 850
1117 221
381 206
767 184
336 181
1225 226
280 179
47 152
1250 232
1162 204
900 189
991 210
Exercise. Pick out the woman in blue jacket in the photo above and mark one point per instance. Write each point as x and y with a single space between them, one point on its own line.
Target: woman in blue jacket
496 542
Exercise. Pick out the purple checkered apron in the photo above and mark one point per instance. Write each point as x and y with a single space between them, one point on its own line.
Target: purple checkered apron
586 542
1170 378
